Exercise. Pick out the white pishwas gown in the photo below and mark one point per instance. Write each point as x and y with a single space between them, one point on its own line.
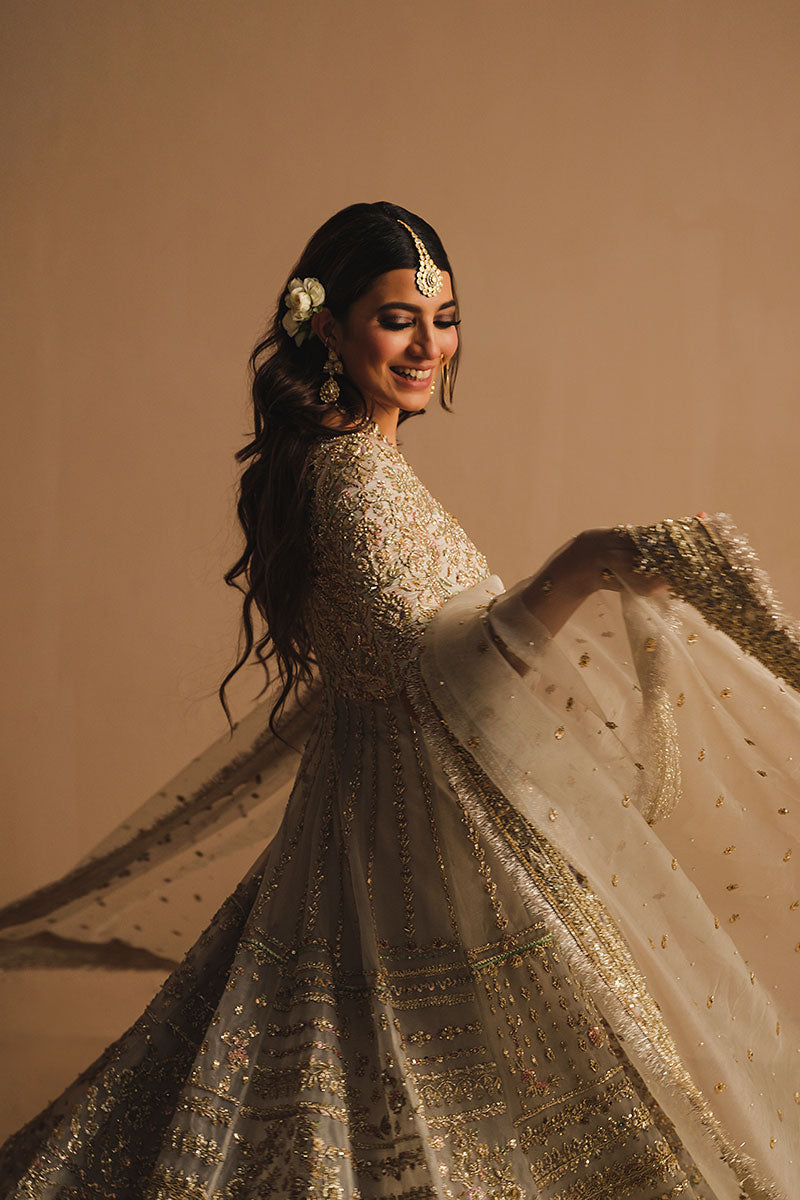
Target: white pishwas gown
525 927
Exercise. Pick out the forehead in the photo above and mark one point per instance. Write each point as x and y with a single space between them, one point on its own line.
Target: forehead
400 287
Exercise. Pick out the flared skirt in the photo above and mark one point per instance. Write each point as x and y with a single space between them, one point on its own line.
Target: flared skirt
377 1011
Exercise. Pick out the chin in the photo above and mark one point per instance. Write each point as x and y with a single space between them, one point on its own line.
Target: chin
415 406
405 404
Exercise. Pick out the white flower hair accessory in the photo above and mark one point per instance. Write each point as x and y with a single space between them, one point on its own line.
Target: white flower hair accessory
303 298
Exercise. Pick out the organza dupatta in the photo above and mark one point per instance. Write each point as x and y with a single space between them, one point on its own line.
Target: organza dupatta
657 758
140 898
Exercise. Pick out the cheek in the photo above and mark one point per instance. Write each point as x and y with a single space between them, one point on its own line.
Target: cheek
374 350
386 346
448 342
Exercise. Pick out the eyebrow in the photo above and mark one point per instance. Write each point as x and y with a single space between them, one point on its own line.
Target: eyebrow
414 307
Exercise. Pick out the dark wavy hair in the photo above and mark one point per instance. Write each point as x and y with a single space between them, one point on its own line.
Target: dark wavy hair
273 571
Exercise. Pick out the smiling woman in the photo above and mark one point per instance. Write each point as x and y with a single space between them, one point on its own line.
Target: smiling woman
394 343
510 939
354 293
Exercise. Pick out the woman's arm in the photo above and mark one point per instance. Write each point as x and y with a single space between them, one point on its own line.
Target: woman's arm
595 559
533 611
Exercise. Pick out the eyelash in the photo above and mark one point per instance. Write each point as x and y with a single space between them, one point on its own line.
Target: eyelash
397 325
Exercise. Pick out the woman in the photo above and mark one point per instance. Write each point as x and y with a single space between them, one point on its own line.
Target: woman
466 965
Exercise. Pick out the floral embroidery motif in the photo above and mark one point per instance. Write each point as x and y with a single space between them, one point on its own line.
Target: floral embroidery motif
386 556
237 1056
480 1171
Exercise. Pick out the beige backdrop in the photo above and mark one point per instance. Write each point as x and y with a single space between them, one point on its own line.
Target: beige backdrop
618 184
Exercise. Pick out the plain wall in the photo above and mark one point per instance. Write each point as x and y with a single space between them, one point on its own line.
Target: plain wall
618 186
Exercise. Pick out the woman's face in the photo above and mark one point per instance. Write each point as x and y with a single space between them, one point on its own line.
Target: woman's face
394 341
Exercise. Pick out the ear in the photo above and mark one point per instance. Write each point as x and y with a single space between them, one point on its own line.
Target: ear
326 327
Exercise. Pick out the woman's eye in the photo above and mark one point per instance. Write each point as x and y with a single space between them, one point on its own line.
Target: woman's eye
443 323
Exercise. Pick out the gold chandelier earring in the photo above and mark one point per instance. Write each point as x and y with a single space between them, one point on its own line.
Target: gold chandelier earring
329 392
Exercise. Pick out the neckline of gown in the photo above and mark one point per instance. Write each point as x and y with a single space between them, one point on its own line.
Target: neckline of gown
373 429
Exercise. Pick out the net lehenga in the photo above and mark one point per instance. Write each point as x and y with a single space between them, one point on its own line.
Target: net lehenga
526 928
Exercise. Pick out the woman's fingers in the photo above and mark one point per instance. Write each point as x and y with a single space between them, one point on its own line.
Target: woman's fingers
620 565
606 559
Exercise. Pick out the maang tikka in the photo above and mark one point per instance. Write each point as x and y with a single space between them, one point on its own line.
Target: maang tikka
428 277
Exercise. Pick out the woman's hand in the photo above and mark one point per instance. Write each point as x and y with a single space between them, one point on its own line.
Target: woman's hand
606 558
595 559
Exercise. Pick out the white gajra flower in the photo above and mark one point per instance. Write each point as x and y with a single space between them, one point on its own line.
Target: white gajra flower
303 298
298 302
290 324
316 291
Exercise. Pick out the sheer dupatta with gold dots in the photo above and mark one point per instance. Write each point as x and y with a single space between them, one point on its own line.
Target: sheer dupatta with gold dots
656 750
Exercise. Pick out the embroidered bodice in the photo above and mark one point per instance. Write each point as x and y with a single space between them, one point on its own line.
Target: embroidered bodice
385 556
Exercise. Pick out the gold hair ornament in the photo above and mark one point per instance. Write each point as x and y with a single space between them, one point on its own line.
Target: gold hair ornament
428 277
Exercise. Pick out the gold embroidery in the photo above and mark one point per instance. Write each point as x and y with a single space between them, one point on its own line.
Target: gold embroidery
659 788
469 1116
316 1075
446 1034
566 1114
403 846
460 1085
581 1150
194 1144
690 553
652 1169
386 556
204 1108
482 1171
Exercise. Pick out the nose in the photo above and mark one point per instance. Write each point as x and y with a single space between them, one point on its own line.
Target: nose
425 340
